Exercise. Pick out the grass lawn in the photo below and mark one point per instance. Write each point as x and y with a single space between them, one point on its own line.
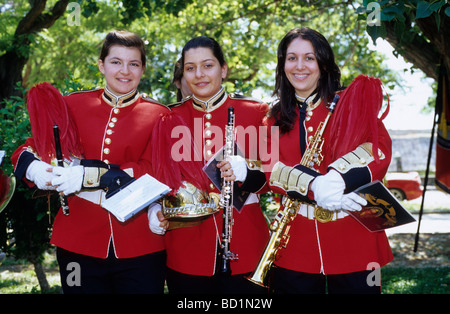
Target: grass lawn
412 280
18 277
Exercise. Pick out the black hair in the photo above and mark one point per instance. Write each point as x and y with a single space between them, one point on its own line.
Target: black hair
329 82
204 42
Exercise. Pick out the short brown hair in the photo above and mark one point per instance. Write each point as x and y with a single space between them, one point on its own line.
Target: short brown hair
123 38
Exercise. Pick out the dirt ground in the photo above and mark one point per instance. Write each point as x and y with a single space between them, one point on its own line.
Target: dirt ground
433 250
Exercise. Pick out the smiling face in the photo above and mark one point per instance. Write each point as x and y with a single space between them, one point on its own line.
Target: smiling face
203 72
122 68
301 67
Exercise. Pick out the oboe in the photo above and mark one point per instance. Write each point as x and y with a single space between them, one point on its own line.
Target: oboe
226 198
59 158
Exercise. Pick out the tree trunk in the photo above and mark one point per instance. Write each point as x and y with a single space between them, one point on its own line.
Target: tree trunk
42 278
16 56
11 65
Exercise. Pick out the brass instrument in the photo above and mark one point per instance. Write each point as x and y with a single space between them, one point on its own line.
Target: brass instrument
7 185
188 207
226 198
280 226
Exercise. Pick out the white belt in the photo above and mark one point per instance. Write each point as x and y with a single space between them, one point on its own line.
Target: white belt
96 196
307 210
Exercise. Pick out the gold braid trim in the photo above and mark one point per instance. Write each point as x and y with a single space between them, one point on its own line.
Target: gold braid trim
362 156
92 176
290 179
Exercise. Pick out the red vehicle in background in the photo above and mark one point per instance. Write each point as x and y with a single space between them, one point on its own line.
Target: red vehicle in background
404 185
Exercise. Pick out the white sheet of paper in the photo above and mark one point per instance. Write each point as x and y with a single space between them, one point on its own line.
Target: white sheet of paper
135 197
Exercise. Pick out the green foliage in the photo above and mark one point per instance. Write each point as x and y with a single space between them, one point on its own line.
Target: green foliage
403 13
14 127
248 30
411 280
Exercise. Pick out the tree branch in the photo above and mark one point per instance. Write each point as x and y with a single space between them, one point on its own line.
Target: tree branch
438 36
418 51
35 21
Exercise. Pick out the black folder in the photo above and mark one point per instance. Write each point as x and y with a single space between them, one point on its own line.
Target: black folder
382 211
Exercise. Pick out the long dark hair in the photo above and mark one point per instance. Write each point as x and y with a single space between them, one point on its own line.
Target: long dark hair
329 82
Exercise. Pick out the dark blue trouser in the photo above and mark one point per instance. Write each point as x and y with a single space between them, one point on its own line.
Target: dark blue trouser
285 281
82 274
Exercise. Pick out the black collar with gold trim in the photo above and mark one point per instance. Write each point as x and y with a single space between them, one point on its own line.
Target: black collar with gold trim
214 102
309 101
122 100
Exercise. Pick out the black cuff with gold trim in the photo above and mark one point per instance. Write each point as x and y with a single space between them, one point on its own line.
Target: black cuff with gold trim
100 175
255 179
354 167
294 180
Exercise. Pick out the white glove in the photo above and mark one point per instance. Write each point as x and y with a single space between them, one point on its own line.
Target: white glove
41 174
239 167
328 190
68 180
153 221
353 202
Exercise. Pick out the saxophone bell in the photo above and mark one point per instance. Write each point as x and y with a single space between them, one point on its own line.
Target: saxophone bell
279 238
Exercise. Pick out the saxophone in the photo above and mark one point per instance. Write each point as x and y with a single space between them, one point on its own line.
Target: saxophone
226 198
279 227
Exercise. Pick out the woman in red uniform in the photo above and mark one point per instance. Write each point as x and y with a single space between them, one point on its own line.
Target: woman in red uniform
334 251
193 252
115 127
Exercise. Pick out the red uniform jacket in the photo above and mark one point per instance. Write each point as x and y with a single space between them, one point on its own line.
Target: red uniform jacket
342 245
193 250
117 135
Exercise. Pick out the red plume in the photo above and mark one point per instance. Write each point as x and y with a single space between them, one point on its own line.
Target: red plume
165 168
46 107
355 119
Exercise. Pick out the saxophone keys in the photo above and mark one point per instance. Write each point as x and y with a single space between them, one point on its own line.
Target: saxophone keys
284 241
293 210
274 225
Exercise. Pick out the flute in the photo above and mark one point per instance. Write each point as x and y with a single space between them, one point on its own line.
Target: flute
59 158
